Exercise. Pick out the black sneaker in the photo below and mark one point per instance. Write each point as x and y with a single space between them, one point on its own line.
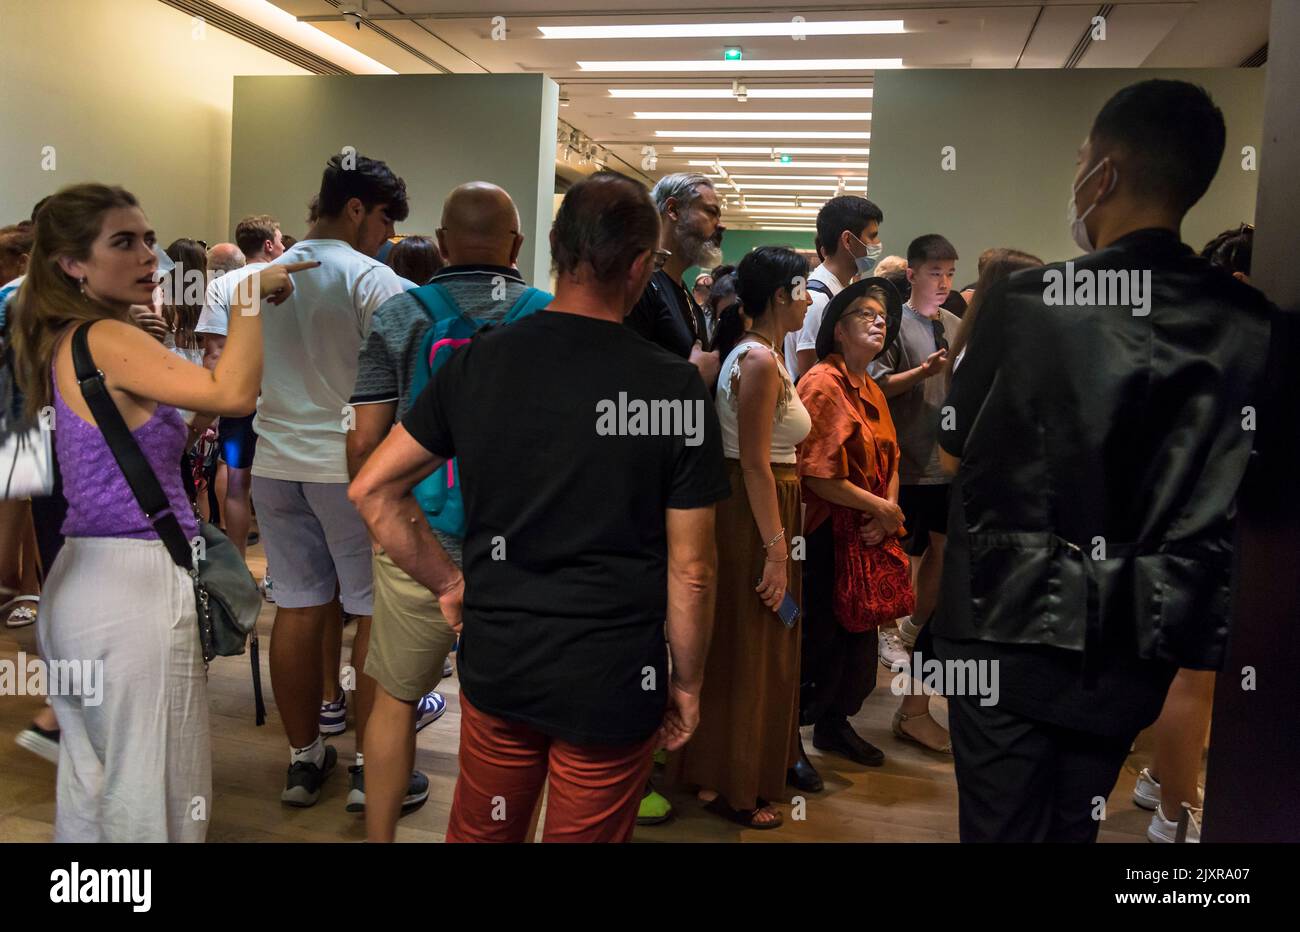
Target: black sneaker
417 791
303 783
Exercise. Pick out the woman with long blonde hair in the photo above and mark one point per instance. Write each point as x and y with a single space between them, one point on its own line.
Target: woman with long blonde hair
134 755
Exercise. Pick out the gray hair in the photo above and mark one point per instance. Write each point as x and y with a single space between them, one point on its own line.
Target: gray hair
680 185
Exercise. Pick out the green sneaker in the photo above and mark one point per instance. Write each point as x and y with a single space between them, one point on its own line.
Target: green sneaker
655 808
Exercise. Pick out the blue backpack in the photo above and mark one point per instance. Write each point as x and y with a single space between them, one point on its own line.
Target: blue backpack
439 494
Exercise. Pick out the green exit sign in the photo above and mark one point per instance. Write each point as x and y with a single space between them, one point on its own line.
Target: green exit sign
731 54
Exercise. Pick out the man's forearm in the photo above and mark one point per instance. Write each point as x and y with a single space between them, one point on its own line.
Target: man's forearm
358 451
900 382
398 525
691 594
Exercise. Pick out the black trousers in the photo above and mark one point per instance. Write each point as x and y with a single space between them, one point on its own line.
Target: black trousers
1022 780
837 668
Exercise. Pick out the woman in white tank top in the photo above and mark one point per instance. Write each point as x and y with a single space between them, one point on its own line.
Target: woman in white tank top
749 707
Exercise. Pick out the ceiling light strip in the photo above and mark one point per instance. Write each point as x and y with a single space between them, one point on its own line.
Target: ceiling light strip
861 27
747 66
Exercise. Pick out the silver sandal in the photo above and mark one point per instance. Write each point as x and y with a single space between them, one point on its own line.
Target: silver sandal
22 614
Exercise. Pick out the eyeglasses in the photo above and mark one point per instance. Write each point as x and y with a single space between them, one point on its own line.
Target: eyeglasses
661 257
864 314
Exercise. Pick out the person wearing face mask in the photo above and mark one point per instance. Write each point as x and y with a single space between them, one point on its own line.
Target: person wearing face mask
1098 449
848 229
314 538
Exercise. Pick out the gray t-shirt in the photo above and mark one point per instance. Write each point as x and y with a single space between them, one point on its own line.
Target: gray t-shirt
390 354
916 411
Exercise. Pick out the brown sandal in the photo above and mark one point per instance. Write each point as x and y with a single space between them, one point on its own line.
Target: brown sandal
718 806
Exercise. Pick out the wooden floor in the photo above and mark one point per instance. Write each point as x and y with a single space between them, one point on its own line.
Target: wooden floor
911 798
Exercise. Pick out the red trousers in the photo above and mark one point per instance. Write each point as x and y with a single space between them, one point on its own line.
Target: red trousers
593 791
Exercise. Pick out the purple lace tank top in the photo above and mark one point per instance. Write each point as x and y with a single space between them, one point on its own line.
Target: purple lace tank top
100 503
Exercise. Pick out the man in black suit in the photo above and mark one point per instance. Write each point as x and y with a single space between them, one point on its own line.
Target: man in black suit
1102 419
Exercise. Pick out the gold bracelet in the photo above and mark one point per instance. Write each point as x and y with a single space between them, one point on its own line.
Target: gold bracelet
779 534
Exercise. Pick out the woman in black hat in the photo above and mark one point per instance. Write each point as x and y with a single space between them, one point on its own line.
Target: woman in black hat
855 573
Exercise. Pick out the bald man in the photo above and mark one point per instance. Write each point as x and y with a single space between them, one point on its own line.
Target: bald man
410 640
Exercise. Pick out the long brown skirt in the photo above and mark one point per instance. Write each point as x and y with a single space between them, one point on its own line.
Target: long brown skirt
749 708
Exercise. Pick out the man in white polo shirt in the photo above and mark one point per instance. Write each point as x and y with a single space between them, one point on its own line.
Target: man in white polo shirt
315 540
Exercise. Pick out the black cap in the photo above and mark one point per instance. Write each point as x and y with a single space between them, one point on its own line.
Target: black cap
841 303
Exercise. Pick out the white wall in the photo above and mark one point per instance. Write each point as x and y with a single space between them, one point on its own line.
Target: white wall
126 92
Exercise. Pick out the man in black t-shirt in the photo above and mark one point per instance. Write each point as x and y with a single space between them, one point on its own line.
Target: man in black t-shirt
690 234
1102 440
590 462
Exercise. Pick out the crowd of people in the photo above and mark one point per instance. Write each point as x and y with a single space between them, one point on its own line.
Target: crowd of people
660 526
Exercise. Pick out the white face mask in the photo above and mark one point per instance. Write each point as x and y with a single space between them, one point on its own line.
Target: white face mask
1078 230
868 262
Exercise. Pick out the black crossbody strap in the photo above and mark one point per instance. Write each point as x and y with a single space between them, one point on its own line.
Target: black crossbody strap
130 459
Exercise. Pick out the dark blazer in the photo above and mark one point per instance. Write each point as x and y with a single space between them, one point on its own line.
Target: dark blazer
1101 453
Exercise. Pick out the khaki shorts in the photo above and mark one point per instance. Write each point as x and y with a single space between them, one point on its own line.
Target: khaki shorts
409 637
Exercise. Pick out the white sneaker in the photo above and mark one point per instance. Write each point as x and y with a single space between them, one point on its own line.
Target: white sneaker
1163 831
1146 793
893 653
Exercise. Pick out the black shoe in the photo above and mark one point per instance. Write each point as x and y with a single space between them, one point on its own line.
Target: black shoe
803 776
417 791
843 740
303 783
40 742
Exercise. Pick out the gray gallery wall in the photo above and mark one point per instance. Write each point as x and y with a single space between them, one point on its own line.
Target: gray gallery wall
1016 136
436 131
